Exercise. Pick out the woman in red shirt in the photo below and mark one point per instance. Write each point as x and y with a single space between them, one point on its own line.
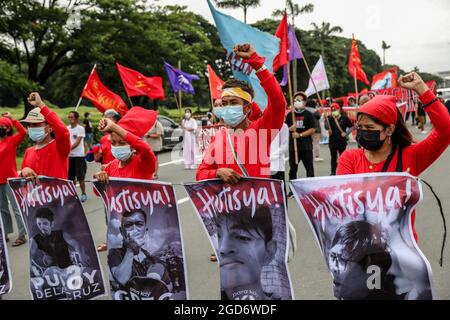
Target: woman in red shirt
387 145
8 147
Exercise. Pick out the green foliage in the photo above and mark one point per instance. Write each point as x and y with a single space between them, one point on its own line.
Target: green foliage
235 4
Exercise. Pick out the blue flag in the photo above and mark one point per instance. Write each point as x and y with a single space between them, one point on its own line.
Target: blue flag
233 32
179 80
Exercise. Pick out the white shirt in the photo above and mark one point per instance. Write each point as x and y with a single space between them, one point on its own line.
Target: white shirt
76 132
278 149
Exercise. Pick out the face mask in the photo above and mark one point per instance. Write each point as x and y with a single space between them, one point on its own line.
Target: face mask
2 132
218 112
335 113
121 153
369 139
299 105
188 115
37 134
233 115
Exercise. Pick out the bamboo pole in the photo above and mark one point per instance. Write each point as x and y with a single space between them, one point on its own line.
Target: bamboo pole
291 99
180 105
84 88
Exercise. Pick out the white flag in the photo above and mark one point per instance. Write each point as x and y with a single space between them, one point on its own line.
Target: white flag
319 75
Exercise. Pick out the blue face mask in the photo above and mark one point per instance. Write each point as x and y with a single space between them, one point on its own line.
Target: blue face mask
218 112
121 153
232 115
37 134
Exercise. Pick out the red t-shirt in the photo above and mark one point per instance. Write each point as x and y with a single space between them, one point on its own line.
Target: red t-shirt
8 149
415 158
142 164
253 146
107 156
53 159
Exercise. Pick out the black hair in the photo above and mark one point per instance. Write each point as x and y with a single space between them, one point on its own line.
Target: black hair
188 110
86 114
244 85
311 103
75 114
128 214
45 213
401 137
261 221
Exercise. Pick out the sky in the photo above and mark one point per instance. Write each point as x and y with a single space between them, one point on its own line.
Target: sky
417 30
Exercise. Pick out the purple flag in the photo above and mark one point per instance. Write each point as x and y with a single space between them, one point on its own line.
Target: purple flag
294 47
180 81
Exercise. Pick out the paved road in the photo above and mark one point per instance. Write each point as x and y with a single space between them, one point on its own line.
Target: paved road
309 274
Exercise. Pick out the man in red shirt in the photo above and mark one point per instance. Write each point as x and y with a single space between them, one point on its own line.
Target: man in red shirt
104 156
49 156
249 153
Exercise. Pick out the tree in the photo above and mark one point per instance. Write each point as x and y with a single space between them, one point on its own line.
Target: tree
235 4
294 10
385 47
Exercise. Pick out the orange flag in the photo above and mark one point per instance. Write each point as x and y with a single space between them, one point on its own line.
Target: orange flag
136 84
215 84
354 63
101 97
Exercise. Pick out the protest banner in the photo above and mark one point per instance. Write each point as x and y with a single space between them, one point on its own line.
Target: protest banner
145 249
5 274
247 225
362 224
63 259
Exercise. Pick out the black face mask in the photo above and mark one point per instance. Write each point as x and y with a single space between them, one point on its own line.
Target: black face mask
369 139
2 132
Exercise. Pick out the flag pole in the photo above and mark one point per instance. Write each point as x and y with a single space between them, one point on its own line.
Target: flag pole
180 93
210 93
310 76
84 88
291 99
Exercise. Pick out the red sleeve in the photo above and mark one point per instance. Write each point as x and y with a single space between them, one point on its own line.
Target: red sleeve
21 133
428 150
62 135
208 167
345 163
144 151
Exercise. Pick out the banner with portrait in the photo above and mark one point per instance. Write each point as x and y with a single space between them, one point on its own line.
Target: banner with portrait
5 271
145 248
247 226
363 224
63 258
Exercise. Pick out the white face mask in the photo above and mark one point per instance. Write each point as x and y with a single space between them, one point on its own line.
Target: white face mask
122 153
188 115
299 104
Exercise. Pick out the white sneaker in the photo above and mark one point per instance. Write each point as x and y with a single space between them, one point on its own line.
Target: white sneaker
318 159
424 132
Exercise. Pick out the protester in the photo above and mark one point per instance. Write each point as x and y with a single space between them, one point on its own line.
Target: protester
154 138
278 149
250 141
339 127
363 99
312 107
421 117
104 156
351 101
50 155
88 129
8 146
387 144
189 125
301 131
77 163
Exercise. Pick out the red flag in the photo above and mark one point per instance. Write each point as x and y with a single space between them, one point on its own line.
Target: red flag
385 79
282 33
215 84
137 84
101 97
354 63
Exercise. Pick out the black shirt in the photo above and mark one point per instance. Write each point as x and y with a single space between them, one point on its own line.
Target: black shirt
335 138
87 126
56 247
304 121
420 110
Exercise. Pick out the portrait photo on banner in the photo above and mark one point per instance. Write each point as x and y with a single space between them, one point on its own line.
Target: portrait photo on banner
247 226
145 249
363 225
63 258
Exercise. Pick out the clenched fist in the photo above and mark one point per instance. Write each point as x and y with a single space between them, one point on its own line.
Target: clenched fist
413 81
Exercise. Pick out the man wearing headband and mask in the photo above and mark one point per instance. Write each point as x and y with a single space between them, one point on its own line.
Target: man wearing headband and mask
49 156
244 149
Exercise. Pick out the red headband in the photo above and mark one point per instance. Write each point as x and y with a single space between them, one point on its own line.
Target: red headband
6 122
383 108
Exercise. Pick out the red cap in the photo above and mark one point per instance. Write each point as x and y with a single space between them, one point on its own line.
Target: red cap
138 121
256 112
383 108
335 106
6 122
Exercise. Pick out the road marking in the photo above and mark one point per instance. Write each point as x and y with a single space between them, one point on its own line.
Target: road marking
183 200
175 162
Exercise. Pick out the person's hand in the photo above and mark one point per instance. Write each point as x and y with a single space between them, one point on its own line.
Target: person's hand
101 176
413 81
105 125
293 128
131 245
343 135
295 135
244 51
8 115
228 175
35 100
28 174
